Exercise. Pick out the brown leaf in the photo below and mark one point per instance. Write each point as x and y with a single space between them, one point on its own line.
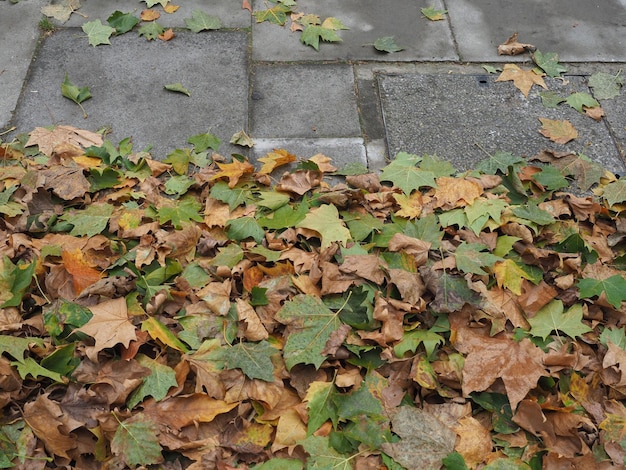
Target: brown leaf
522 79
596 113
336 340
253 329
299 182
245 5
47 139
368 267
512 47
409 284
109 326
66 182
182 411
167 35
474 442
456 192
83 275
413 246
233 172
44 418
535 296
150 15
289 431
559 131
391 318
323 163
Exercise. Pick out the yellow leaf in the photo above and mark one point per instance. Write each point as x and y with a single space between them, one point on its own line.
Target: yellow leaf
290 430
522 79
456 192
169 8
410 206
559 131
158 330
323 163
233 172
510 275
274 159
87 162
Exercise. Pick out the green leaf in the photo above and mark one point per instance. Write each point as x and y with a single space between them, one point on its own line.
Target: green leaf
136 441
180 159
325 220
387 44
454 461
412 339
550 99
202 142
313 32
324 457
233 197
156 384
498 404
580 99
63 317
30 367
533 213
103 178
245 227
471 258
361 225
426 228
452 293
181 212
62 360
151 3
271 256
16 346
285 216
200 21
320 401
491 69
615 192
279 464
403 173
229 256
178 88
614 288
276 15
122 22
552 317
551 178
178 185
8 207
499 162
310 324
90 221
151 30
97 32
606 86
437 166
617 336
432 13
72 92
549 63
14 281
254 359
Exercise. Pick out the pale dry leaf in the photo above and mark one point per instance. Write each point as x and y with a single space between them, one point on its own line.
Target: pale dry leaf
513 47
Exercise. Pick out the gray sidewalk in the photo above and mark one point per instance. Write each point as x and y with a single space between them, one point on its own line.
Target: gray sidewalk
346 100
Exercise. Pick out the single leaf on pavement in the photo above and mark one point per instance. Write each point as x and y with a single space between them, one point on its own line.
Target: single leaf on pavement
325 221
61 11
581 100
614 288
200 21
241 138
560 131
550 99
309 324
122 22
424 439
136 442
77 95
549 63
109 326
552 317
432 13
98 33
606 86
522 79
387 44
513 47
151 30
178 88
276 15
326 31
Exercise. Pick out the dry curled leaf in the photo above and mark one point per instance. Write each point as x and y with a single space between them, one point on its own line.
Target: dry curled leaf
512 47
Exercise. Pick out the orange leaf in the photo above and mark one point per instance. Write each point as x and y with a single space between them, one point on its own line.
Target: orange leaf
232 172
275 159
245 5
182 411
167 35
169 8
83 275
559 131
594 113
150 15
522 79
456 192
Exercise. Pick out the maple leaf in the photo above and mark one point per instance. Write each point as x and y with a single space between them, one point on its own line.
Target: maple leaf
77 95
98 33
151 3
522 79
615 192
581 100
274 159
310 325
122 22
387 44
513 47
606 86
233 172
200 21
471 258
61 11
277 14
254 359
432 13
136 442
326 31
48 139
156 384
83 274
403 173
109 326
151 30
180 212
90 221
549 63
410 206
509 274
614 287
325 221
324 456
559 131
552 317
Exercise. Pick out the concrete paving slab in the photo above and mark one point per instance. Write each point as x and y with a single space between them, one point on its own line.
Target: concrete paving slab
615 110
230 13
578 30
19 34
127 83
421 39
452 115
305 101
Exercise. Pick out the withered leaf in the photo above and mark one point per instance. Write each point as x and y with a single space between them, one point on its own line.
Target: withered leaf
522 79
512 47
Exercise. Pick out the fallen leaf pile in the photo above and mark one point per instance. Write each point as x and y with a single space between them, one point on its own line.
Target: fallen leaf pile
198 313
